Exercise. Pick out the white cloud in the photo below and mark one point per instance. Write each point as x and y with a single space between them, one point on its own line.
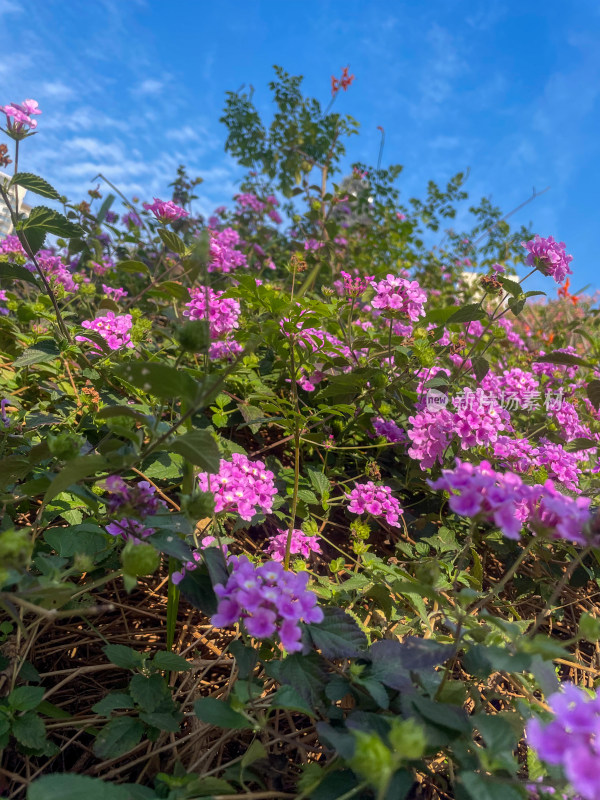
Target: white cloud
10 7
150 86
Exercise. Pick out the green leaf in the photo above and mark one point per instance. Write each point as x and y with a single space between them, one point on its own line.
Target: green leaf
118 737
35 184
109 412
199 448
171 241
16 272
481 367
133 266
75 787
26 698
30 730
122 656
112 701
593 393
51 221
171 544
469 313
338 635
567 359
86 539
198 590
516 305
319 481
438 315
305 673
170 661
74 471
511 286
219 713
149 692
287 697
163 720
171 289
246 657
46 350
485 787
159 379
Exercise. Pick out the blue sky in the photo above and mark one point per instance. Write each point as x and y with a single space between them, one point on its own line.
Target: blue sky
132 88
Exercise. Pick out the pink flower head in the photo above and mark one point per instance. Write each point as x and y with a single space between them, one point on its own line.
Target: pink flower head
399 296
570 739
114 294
301 544
241 486
112 328
18 118
165 210
549 257
223 255
367 498
268 600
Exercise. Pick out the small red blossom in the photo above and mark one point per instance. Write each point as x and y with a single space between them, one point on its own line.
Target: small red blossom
341 83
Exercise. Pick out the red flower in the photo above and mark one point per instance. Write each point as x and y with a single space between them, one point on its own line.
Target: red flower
341 83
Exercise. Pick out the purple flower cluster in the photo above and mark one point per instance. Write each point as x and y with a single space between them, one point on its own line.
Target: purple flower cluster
301 544
514 384
479 491
388 429
165 210
140 498
399 296
112 328
256 205
12 246
114 294
571 739
223 255
549 257
4 298
241 486
571 426
131 530
522 455
354 285
430 434
223 312
368 498
54 269
479 423
268 599
19 118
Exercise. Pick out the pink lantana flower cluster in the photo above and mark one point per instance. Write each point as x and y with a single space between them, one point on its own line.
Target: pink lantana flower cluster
3 298
268 599
140 498
514 386
549 257
241 486
114 329
166 211
19 120
223 255
54 269
223 316
571 739
388 429
368 498
130 530
11 246
399 296
223 312
430 434
115 294
301 544
501 498
355 285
